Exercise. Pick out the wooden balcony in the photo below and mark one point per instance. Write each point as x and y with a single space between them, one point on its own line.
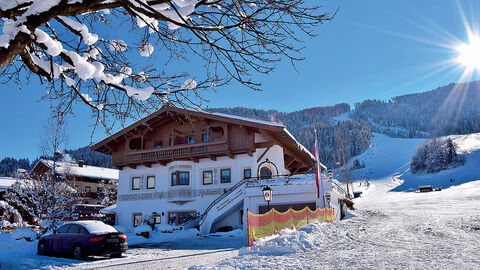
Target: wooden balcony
177 152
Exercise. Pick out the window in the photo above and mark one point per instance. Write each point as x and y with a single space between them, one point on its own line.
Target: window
206 137
99 190
170 141
135 183
150 182
135 144
177 218
88 189
137 219
157 219
76 229
189 139
63 229
225 176
158 144
180 178
247 173
207 177
265 173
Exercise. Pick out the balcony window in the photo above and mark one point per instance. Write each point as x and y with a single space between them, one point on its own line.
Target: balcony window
88 189
225 176
180 178
135 183
247 173
158 144
207 177
189 139
206 137
150 182
170 142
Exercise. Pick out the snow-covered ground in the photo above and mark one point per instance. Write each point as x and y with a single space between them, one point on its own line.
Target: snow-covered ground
388 230
391 228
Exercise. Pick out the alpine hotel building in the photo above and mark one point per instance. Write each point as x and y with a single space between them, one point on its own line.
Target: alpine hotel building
175 162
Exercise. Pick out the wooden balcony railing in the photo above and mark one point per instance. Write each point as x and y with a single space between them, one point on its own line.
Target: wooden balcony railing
177 151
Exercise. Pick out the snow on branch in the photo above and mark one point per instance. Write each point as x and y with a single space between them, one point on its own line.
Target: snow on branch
84 48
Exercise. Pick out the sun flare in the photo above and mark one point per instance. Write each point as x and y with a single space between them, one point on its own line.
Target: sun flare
469 54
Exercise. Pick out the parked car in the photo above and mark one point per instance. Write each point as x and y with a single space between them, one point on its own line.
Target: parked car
84 238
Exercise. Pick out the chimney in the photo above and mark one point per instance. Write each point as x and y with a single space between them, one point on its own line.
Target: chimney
80 163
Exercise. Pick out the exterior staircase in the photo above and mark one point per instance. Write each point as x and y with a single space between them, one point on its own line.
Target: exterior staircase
221 206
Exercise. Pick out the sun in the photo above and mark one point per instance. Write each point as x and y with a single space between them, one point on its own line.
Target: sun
469 54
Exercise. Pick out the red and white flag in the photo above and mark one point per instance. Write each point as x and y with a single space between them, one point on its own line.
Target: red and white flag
318 169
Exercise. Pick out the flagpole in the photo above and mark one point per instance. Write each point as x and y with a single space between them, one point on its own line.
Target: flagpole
318 172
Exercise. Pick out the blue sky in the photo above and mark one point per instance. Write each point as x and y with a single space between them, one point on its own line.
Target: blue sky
372 49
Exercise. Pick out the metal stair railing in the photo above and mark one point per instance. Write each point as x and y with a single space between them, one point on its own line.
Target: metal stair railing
195 217
220 198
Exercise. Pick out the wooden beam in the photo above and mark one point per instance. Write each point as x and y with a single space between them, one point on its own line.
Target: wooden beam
245 129
271 138
132 165
264 144
290 163
162 162
194 159
147 164
230 155
263 154
212 157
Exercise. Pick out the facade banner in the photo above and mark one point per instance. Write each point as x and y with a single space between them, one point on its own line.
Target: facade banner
261 225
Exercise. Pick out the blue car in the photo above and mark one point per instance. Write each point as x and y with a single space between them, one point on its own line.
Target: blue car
84 238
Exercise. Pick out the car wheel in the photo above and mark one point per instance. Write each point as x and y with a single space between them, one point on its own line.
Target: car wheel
116 255
41 249
78 253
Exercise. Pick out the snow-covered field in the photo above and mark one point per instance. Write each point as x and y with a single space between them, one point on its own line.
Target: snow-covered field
390 228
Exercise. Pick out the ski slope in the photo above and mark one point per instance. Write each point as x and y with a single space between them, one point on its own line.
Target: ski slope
388 230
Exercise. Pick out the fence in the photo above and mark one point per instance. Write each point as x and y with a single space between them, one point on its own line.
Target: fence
261 225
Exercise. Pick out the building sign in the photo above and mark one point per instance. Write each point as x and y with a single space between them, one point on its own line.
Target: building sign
142 196
172 194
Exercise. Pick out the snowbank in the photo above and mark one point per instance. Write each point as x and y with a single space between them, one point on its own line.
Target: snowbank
15 253
288 241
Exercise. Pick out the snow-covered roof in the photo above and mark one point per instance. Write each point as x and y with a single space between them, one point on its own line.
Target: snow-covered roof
302 148
242 118
89 171
95 226
6 182
112 209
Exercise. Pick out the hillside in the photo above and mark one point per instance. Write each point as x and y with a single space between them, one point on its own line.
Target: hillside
450 109
338 141
389 158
